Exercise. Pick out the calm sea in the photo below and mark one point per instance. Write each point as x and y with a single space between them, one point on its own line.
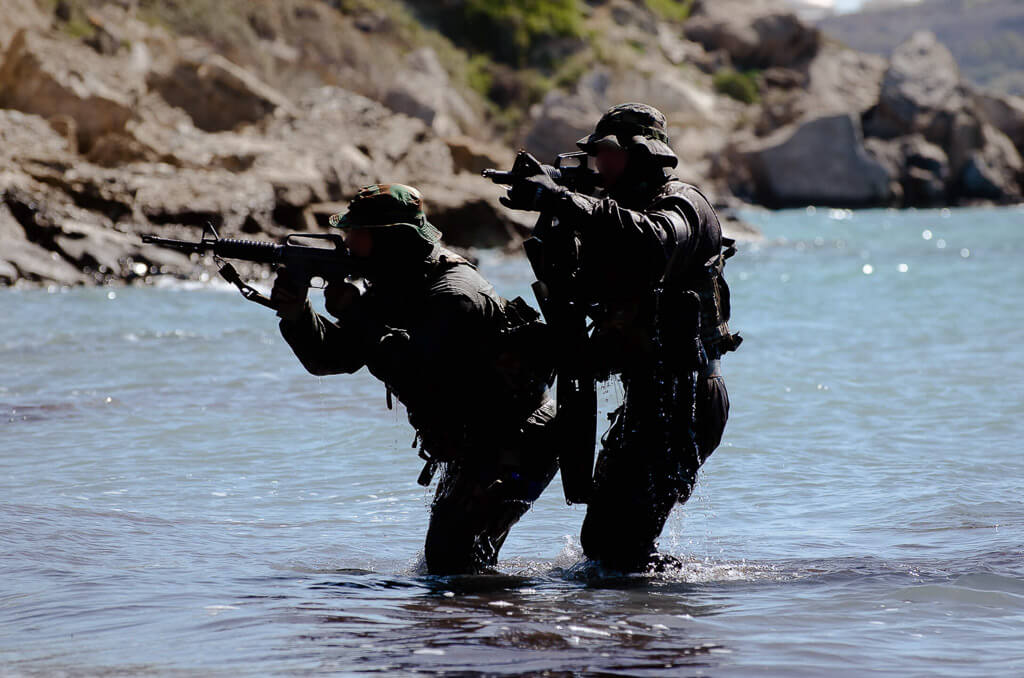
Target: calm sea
178 497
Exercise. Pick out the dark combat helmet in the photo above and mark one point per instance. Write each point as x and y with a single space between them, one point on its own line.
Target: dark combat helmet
634 127
387 206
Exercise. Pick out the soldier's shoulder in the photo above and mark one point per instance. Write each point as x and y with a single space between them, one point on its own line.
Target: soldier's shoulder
677 187
456 278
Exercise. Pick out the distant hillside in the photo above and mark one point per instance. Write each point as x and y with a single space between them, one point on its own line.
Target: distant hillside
985 36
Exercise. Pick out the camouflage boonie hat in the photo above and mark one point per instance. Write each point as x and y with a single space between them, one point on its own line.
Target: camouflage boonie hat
385 206
632 125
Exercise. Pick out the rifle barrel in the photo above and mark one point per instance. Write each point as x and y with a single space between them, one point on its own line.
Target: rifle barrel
499 177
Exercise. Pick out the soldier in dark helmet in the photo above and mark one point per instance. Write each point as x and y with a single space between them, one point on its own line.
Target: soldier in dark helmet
652 256
457 355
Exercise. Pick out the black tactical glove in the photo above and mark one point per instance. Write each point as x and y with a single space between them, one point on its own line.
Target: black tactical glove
288 295
532 185
339 297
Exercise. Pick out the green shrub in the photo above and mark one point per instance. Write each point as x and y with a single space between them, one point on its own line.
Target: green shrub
671 10
509 29
740 86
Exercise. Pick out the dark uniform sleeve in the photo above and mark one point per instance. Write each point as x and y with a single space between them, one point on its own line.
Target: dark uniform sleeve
325 347
651 234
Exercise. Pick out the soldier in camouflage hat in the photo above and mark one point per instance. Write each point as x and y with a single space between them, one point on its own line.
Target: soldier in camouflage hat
651 275
388 205
457 355
636 127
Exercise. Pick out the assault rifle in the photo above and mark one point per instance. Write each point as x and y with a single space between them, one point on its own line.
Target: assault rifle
555 255
305 262
571 170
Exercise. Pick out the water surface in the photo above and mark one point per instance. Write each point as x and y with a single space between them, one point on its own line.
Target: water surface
181 498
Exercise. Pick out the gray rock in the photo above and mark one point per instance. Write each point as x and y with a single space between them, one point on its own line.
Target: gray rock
1005 113
820 162
921 169
466 210
217 94
21 259
424 91
474 156
48 77
993 172
562 118
926 173
755 33
835 81
921 92
18 15
24 136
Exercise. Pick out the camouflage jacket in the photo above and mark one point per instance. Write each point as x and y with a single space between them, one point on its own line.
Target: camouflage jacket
435 339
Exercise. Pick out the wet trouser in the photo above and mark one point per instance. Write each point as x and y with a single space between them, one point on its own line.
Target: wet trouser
648 462
480 497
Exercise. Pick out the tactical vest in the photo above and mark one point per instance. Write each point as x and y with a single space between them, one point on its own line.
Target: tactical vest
709 283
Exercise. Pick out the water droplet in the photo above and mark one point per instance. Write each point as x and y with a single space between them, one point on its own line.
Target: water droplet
868 269
926 234
811 210
903 268
109 400
941 244
111 295
946 213
140 268
965 253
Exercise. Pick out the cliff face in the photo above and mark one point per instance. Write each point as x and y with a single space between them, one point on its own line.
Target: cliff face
136 116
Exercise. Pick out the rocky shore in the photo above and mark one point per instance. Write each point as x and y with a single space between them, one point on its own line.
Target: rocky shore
130 127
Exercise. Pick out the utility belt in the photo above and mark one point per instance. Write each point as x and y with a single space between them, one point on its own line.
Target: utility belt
447 444
712 369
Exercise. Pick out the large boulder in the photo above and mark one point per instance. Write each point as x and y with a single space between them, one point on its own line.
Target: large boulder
1005 113
921 92
562 118
836 80
466 210
474 156
920 169
423 90
755 33
994 171
819 162
218 94
52 77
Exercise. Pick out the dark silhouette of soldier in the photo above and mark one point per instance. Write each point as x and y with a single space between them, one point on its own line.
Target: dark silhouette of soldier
652 256
456 354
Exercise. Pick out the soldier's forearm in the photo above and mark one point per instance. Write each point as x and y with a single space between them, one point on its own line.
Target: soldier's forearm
599 217
321 346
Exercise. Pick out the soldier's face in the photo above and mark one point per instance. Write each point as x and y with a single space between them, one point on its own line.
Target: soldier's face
360 242
611 164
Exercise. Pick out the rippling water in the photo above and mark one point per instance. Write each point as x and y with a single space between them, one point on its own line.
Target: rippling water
181 498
